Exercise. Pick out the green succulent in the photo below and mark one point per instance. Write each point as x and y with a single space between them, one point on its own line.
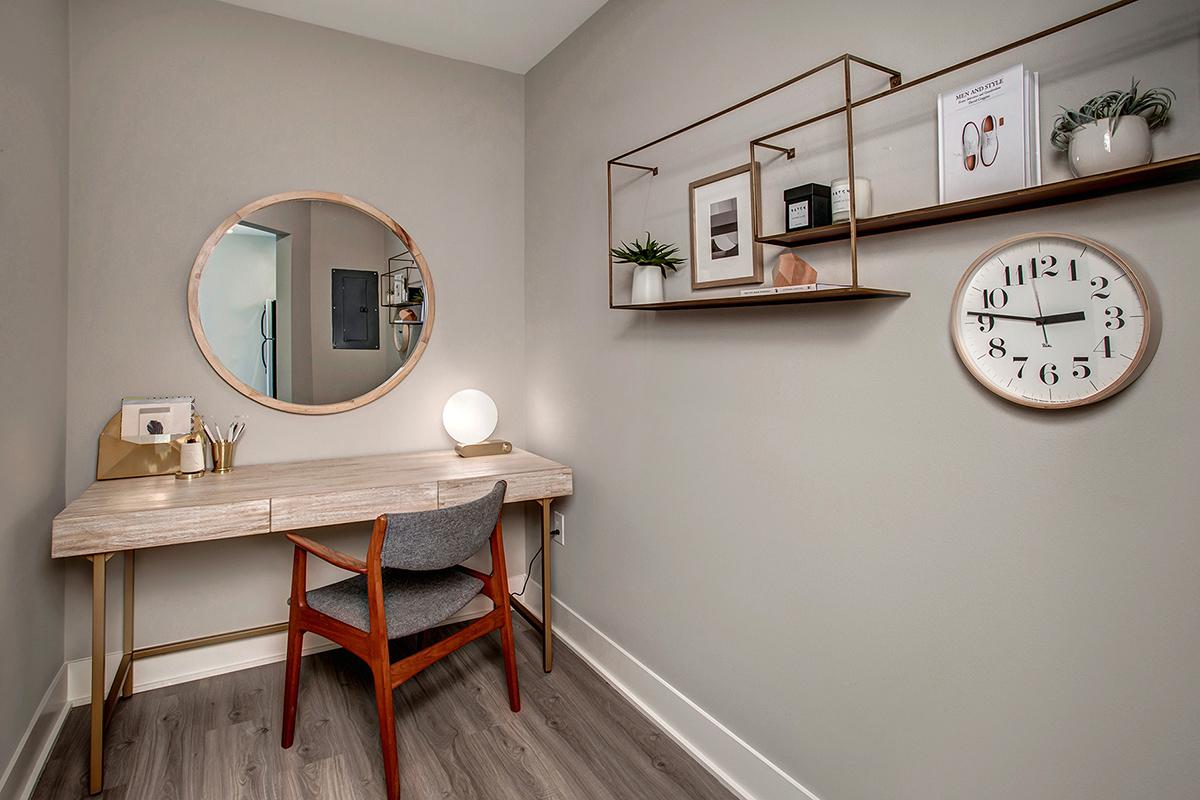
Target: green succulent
1153 104
649 253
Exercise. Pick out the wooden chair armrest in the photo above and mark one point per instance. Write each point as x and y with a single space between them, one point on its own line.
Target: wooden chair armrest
346 562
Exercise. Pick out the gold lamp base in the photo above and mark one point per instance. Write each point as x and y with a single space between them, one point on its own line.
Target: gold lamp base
492 447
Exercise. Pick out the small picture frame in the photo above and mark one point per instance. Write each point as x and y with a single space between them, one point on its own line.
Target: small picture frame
724 252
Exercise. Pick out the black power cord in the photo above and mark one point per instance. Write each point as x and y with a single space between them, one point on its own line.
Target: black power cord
529 569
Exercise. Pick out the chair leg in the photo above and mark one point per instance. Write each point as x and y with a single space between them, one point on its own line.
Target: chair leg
508 645
499 594
387 728
291 684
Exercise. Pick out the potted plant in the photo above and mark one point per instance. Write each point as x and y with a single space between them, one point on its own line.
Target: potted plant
651 260
1112 130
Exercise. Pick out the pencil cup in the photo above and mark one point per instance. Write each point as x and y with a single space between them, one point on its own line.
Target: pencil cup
222 456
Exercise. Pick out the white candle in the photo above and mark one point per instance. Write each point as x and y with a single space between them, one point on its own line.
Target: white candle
191 457
840 199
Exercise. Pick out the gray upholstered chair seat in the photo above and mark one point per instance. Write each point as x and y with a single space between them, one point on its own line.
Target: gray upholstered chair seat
413 601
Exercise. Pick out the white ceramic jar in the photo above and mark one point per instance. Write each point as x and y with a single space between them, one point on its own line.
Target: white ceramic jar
1095 148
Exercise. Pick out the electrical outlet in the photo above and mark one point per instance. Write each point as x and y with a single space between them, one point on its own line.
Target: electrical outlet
558 523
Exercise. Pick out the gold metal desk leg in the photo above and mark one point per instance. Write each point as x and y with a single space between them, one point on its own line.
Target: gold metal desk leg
127 625
547 634
96 763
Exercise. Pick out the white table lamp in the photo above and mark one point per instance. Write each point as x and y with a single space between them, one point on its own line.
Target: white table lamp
470 417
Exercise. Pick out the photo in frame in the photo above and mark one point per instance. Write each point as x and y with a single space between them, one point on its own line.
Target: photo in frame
724 252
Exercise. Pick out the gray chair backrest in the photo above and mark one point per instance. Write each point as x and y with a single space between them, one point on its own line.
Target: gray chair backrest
427 540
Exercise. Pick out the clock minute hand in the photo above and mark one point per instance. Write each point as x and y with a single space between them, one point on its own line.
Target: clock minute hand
1070 316
1001 316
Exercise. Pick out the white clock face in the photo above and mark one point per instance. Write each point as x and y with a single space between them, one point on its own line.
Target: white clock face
1051 321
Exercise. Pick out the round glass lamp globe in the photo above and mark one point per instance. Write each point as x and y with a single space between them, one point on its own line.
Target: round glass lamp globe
469 416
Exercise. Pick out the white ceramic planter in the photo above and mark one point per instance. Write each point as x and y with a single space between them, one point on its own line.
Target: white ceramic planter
1094 149
647 284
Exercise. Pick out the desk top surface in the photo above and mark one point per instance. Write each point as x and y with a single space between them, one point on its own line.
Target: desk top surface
257 498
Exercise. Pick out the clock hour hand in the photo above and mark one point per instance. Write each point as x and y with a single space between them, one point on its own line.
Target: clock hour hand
1070 316
1001 316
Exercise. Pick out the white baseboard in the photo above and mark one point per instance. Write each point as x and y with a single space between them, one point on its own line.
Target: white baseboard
25 767
215 659
744 771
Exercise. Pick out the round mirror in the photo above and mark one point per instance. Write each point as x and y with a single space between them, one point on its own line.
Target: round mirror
311 302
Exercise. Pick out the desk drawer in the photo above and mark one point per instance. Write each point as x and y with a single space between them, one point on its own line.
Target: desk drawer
351 505
135 529
521 486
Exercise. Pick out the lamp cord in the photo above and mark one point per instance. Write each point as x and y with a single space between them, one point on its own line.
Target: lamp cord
528 572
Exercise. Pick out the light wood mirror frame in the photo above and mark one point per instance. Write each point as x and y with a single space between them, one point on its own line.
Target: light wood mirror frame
193 301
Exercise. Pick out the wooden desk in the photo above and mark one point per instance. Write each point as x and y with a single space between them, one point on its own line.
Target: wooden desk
134 513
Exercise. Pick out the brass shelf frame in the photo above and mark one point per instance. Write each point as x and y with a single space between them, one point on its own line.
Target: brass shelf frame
1174 170
710 301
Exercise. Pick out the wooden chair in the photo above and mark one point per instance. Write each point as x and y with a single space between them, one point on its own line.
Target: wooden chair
410 582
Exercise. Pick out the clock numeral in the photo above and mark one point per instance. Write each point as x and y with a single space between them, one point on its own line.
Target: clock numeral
996 298
986 323
996 348
1081 370
1074 271
1117 320
1100 294
1105 346
1049 267
1021 369
1048 374
1008 278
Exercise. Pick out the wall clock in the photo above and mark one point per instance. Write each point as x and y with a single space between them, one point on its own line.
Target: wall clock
1051 320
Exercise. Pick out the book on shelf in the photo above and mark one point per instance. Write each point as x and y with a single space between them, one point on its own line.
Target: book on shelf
988 136
802 287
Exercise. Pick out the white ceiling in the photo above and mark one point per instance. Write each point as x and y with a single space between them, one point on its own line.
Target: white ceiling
508 34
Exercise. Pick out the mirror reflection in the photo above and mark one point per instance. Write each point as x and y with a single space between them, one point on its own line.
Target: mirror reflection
312 302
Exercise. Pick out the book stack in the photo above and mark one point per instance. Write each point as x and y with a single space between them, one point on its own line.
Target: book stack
803 287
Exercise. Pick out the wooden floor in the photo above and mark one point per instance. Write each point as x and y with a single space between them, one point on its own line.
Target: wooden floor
218 738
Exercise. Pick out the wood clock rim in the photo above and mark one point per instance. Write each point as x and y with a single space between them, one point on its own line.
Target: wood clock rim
240 386
1137 365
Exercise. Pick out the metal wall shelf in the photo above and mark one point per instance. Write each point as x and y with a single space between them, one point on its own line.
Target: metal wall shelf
1161 173
789 298
1174 170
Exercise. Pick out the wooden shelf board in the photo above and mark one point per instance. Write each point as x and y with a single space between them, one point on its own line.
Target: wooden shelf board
735 301
1161 173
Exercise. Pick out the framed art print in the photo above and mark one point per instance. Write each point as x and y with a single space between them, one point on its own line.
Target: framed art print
724 252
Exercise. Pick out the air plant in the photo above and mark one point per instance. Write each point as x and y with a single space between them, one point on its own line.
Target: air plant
649 253
1153 104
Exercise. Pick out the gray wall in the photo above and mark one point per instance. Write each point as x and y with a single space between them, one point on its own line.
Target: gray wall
811 520
33 329
173 104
